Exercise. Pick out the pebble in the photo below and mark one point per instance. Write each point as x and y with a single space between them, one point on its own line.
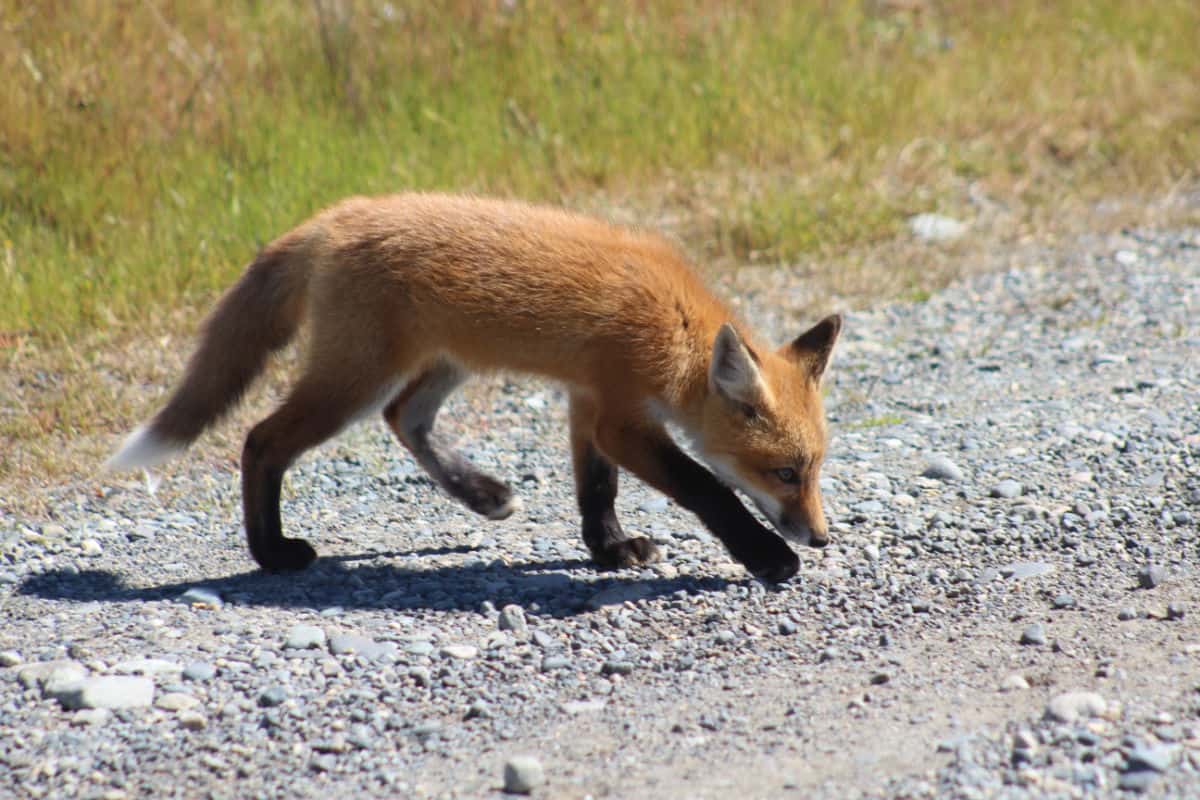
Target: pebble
9 658
1064 601
1014 682
1007 489
512 618
47 673
1021 570
151 667
1154 757
1137 781
942 469
1176 611
106 691
176 701
304 637
192 720
1151 575
523 774
617 668
1070 706
202 597
199 671
1034 634
272 696
1127 613
462 652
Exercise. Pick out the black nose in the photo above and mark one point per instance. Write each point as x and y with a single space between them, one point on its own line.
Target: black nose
818 539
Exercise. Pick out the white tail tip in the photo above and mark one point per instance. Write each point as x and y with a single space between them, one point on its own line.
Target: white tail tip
144 449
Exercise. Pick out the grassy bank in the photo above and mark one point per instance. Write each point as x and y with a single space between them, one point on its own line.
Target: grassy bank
146 148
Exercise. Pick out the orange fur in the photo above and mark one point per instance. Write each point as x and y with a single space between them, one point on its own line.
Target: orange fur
415 287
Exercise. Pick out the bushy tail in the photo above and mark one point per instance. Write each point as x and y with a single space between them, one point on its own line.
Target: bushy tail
257 316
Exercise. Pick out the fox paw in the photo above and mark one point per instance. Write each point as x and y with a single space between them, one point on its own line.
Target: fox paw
285 555
626 553
489 497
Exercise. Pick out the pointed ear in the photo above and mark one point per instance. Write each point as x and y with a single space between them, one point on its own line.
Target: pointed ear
733 372
813 348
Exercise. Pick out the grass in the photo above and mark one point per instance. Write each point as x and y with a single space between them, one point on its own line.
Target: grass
148 147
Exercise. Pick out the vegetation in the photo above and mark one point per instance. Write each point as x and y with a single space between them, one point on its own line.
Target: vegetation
147 148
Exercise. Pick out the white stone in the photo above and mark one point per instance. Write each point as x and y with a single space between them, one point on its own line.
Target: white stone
304 637
107 691
1070 706
936 227
523 774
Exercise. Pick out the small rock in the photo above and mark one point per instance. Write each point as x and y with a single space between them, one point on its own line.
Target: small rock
88 717
1153 757
936 227
551 663
942 469
202 597
1014 683
192 720
787 627
1034 634
1151 576
1070 706
351 643
575 707
1007 489
90 548
617 668
1127 613
304 637
176 701
107 691
272 696
199 671
512 618
1176 611
9 658
1138 781
421 675
462 652
726 637
1064 601
523 774
46 673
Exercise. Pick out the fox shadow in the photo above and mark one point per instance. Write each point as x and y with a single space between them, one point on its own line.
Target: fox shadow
555 587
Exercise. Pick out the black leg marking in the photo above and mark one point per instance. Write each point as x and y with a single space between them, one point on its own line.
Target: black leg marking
596 481
411 417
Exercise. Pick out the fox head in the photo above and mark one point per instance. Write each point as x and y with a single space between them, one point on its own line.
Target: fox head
763 428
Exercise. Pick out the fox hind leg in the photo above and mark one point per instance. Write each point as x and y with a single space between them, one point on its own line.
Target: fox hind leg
411 416
596 491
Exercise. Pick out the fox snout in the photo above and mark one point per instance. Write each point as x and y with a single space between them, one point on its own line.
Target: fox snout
802 532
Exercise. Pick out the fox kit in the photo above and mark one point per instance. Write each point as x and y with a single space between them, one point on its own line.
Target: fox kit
406 295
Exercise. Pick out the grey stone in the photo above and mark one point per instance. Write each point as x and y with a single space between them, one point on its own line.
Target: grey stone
107 691
1138 781
512 618
1064 601
942 469
1176 611
199 671
523 774
1154 757
43 673
352 643
1007 489
461 652
150 667
1151 575
551 663
272 696
200 596
1034 634
9 658
1127 613
304 637
615 667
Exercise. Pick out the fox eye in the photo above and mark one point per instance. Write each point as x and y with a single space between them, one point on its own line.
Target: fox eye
787 475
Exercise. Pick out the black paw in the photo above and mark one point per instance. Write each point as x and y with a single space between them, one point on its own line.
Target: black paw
626 553
489 497
285 555
775 563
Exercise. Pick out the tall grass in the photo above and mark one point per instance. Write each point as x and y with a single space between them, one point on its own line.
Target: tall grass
148 146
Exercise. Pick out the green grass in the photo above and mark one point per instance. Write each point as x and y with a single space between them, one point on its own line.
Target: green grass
147 148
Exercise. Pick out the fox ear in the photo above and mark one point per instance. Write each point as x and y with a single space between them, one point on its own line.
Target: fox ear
733 372
811 350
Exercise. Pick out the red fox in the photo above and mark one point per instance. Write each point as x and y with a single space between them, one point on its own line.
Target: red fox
408 294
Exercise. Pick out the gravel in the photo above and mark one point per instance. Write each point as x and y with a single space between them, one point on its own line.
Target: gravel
427 646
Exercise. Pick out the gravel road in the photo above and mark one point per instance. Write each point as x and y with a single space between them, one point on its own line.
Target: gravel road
1009 607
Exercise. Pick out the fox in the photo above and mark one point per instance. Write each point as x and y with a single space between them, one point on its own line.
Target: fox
408 295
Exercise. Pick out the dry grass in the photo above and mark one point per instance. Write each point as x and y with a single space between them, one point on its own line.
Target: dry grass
148 146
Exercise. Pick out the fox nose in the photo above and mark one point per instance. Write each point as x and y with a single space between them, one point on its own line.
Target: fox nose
818 539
